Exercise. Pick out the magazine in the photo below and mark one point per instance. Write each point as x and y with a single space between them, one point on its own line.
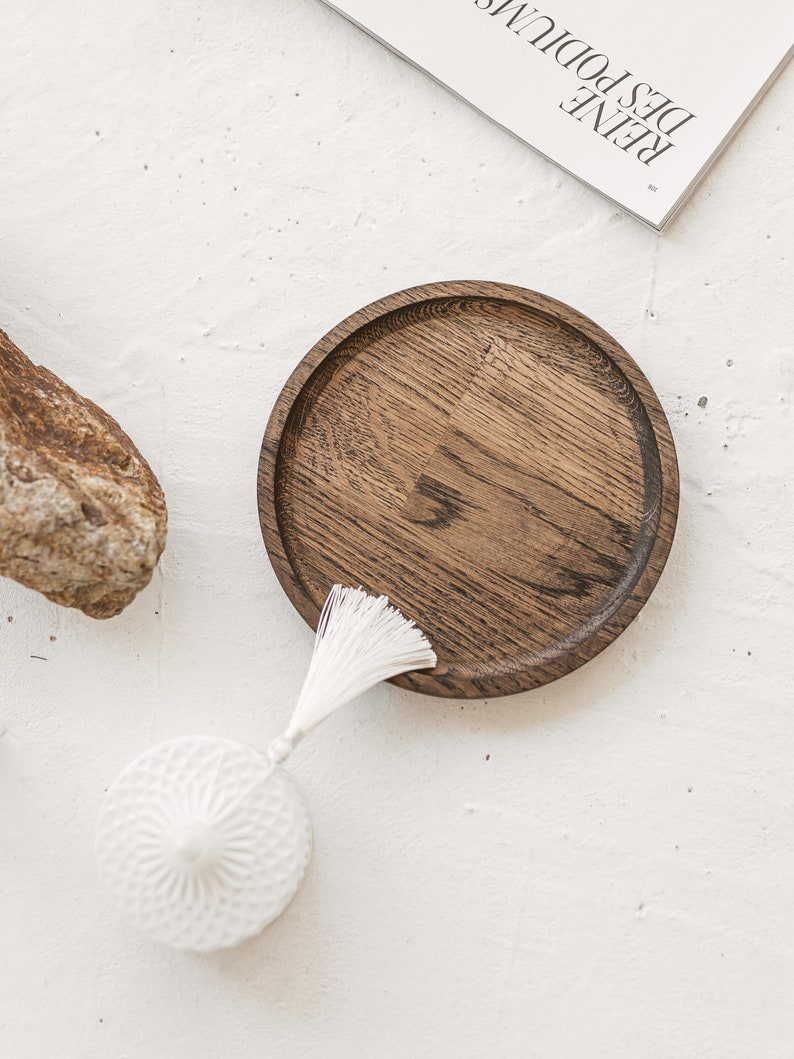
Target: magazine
636 101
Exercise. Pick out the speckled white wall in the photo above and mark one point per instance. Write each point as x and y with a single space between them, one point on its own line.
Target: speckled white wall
191 194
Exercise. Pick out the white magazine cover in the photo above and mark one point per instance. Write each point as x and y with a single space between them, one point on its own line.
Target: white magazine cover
635 100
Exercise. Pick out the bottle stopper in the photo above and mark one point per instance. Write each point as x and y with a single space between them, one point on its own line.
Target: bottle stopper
202 841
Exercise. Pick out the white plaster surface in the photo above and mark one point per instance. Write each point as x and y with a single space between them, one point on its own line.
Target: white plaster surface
193 192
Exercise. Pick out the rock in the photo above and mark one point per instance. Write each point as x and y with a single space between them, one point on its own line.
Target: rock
82 516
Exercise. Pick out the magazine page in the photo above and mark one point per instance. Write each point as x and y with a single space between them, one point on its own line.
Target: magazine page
635 101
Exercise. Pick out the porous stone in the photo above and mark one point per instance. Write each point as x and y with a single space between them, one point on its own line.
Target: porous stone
82 516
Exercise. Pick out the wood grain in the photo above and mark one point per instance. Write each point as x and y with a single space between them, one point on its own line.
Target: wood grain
490 459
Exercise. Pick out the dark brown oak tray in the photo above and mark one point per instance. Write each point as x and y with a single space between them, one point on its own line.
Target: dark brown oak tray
491 460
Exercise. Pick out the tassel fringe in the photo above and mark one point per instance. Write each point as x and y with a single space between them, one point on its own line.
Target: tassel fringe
361 640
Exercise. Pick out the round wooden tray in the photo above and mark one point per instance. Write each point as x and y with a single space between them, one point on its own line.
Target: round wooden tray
488 458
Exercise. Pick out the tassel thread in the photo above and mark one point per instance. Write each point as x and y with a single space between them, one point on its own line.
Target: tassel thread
361 640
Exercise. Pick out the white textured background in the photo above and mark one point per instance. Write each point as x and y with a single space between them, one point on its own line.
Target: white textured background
191 194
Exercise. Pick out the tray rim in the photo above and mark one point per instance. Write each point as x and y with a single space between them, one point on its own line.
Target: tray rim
560 311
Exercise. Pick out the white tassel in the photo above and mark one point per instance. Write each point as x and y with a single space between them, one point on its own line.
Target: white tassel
361 640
